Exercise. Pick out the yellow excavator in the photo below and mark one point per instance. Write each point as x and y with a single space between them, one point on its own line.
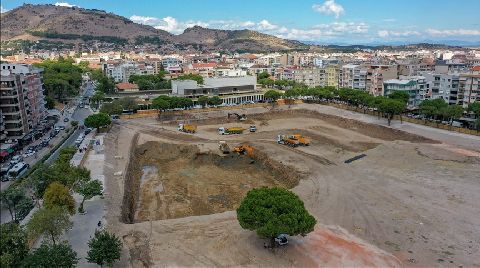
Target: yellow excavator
244 149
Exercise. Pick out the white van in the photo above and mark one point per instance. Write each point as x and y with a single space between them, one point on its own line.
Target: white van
18 170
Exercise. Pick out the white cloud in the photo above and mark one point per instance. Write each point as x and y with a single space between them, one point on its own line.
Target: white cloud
3 10
64 4
329 7
387 33
455 32
317 32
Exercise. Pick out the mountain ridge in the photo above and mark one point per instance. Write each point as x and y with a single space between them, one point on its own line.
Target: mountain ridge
74 25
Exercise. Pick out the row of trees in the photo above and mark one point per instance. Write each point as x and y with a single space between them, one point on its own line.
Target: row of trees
166 102
214 101
388 106
118 106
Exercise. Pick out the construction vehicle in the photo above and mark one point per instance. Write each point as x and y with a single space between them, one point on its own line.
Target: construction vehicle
187 128
223 147
230 130
301 139
242 117
286 140
253 128
244 149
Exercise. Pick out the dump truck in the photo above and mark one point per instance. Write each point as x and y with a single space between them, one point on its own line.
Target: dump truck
223 147
301 139
244 149
187 128
230 130
286 140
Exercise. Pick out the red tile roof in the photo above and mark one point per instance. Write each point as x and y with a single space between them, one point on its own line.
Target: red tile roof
476 68
126 86
204 65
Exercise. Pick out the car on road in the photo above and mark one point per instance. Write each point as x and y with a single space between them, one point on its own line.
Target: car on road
88 130
16 159
66 119
29 153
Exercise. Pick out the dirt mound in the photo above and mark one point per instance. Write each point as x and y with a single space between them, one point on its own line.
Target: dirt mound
174 181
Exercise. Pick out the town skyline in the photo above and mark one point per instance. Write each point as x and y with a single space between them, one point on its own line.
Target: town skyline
321 22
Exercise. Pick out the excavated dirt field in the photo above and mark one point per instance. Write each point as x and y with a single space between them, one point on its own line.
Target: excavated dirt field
411 201
177 181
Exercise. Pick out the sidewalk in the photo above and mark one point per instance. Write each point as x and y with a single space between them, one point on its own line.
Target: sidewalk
84 225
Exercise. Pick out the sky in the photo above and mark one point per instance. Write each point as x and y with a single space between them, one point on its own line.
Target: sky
322 21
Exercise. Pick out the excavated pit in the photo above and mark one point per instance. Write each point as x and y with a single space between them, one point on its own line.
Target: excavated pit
167 181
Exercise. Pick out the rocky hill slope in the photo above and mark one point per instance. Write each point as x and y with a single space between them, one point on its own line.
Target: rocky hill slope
74 25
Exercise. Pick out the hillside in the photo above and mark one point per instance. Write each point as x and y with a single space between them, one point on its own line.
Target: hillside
74 25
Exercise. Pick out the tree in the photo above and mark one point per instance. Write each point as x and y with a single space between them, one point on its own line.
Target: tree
399 95
272 95
17 202
274 211
263 75
432 108
51 222
13 244
74 123
51 255
97 120
88 190
161 103
392 107
104 248
49 102
453 112
202 100
97 98
111 108
59 195
195 77
215 101
474 108
477 124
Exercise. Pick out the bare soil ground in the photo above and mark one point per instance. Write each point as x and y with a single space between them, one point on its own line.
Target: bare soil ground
412 201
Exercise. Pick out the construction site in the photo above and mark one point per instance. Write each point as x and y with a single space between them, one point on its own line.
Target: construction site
388 197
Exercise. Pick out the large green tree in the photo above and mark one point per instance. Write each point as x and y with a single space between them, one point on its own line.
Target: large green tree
61 78
399 95
17 202
59 195
215 100
194 77
203 100
453 112
474 108
51 255
104 248
272 95
274 211
50 222
88 189
13 244
392 107
97 120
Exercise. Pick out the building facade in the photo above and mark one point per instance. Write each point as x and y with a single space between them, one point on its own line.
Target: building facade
22 102
415 86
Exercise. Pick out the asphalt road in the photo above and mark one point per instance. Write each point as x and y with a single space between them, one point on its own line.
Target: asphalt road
79 114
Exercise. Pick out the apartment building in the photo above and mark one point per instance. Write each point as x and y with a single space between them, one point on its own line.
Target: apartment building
415 86
468 88
22 102
353 76
311 77
442 86
332 75
121 72
376 74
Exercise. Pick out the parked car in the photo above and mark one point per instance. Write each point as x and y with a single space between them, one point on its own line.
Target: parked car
88 130
16 159
66 119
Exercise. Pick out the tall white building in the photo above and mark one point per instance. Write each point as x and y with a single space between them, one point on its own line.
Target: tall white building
353 76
